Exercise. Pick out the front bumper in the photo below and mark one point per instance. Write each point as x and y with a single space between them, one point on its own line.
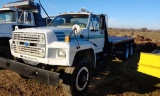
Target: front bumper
44 76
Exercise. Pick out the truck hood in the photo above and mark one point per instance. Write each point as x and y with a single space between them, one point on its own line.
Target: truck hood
51 33
44 29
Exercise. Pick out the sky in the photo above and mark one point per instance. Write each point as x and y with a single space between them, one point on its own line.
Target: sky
121 13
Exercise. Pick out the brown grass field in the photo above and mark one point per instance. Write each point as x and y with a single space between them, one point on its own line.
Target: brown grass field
116 79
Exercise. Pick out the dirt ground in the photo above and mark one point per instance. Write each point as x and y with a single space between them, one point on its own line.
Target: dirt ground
118 78
122 80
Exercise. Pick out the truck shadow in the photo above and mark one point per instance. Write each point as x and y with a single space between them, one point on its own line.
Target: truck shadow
124 79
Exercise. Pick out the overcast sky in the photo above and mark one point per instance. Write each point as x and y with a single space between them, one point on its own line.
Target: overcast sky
121 13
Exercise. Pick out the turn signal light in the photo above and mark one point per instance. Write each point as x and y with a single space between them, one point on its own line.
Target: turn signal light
67 38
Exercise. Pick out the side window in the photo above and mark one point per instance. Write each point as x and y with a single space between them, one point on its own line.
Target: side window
25 17
94 24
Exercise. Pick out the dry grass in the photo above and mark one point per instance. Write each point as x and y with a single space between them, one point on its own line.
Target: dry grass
154 35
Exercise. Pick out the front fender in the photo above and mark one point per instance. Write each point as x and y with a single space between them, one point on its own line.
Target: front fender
84 45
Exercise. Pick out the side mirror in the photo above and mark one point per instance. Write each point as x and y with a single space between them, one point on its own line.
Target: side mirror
16 28
76 29
102 22
25 16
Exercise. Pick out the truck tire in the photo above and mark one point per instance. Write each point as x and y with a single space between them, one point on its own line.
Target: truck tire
76 80
5 52
131 49
126 52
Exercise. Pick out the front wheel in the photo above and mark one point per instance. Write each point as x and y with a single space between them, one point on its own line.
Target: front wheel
5 52
78 79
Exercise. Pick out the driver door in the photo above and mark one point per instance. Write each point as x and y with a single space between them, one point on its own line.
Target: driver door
95 35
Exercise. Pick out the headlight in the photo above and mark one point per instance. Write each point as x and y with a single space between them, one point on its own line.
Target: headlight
61 53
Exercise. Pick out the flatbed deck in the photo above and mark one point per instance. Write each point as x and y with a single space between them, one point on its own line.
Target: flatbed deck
116 40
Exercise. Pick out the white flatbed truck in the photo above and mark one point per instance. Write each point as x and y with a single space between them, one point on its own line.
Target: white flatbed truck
69 49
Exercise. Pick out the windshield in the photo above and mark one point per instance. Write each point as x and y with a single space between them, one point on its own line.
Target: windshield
69 20
7 16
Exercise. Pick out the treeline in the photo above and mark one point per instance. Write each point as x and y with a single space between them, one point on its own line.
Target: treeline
133 30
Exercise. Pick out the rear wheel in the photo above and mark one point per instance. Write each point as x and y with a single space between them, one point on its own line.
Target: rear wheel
131 49
77 79
126 52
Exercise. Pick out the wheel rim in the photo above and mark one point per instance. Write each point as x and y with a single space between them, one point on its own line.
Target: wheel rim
127 51
82 78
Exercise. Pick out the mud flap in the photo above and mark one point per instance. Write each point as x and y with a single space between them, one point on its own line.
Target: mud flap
149 64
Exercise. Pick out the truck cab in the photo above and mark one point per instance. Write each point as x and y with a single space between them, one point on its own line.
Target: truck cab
88 24
11 17
17 15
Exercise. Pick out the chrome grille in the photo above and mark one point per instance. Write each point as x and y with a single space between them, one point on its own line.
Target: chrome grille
32 44
38 38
